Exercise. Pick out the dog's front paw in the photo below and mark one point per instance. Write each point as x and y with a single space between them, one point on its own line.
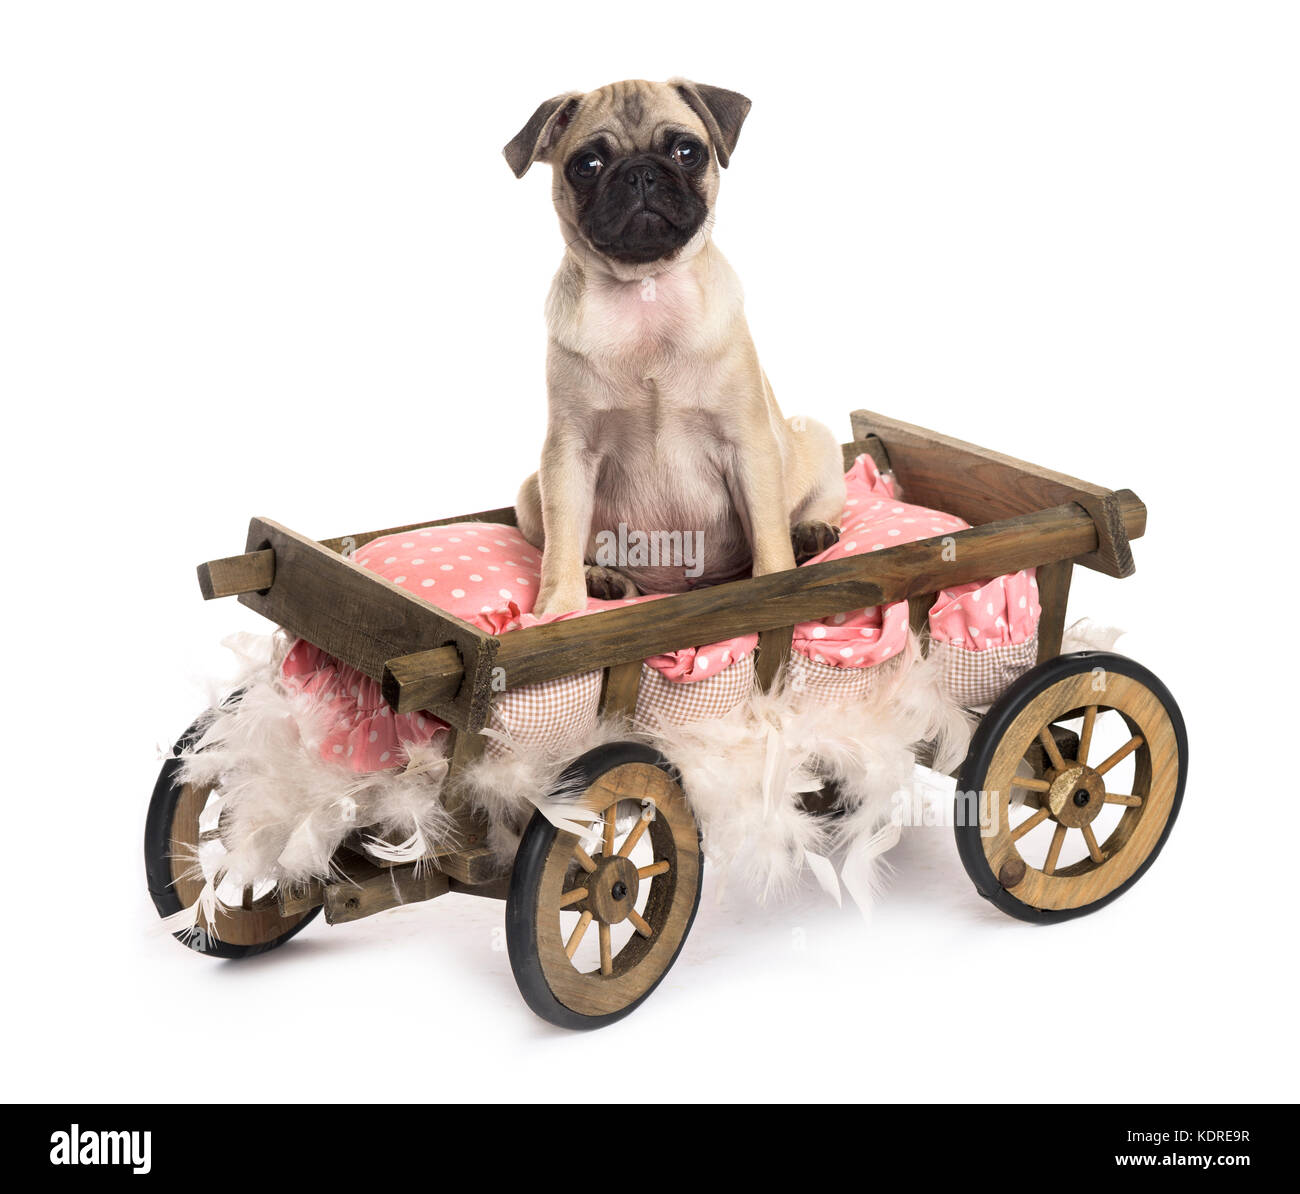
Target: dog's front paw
608 584
811 539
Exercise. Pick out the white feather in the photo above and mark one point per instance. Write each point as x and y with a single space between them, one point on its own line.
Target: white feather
287 810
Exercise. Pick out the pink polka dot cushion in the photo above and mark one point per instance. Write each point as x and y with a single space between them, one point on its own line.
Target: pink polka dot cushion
488 575
874 520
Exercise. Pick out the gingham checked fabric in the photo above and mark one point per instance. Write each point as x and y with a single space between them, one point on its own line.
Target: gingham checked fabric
661 701
980 677
555 712
823 684
547 714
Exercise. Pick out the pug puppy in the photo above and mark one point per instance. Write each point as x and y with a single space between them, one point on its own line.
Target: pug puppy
662 428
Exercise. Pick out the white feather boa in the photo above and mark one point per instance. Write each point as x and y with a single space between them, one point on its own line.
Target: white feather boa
746 777
285 810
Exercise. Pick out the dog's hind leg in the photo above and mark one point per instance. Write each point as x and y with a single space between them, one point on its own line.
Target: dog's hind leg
528 512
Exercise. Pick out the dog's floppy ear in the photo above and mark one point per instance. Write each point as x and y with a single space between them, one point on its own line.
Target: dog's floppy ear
543 129
722 111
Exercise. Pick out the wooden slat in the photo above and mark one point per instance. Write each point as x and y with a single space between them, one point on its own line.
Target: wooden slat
1053 596
246 573
773 653
769 602
365 620
918 617
348 544
872 446
466 748
471 867
622 684
493 889
296 900
368 889
981 486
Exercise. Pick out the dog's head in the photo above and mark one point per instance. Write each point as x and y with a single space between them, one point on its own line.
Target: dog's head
635 163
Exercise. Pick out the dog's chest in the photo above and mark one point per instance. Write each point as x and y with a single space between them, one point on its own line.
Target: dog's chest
642 325
667 471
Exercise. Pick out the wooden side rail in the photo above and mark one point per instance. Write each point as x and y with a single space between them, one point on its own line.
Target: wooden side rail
981 486
764 603
353 614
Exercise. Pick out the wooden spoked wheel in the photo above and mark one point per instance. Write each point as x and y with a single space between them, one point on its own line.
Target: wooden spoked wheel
632 884
181 849
1061 832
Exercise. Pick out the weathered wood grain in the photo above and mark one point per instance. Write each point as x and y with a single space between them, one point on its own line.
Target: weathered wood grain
773 654
366 889
237 574
1053 596
981 485
620 688
871 446
471 867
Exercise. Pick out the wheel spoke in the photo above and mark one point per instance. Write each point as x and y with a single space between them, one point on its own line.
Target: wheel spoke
611 828
1034 785
575 938
1093 849
1123 753
1049 745
1025 826
606 950
584 859
1085 735
574 896
1120 798
639 924
657 868
1054 850
248 897
647 814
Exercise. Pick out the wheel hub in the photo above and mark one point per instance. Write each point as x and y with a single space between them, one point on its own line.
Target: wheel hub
612 889
1076 796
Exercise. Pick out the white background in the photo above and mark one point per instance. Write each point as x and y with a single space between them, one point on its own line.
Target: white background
266 259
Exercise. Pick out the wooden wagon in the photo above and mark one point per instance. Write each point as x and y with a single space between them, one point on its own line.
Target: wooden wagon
1032 748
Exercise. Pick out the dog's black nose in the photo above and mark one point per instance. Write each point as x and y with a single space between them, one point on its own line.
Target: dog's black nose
642 178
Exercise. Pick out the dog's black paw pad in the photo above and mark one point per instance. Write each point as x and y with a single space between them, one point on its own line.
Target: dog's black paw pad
608 584
811 539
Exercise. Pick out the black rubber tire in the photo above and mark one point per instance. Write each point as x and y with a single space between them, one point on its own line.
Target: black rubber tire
984 746
157 858
525 882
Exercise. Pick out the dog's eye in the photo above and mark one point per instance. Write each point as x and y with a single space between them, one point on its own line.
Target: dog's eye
586 165
688 153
